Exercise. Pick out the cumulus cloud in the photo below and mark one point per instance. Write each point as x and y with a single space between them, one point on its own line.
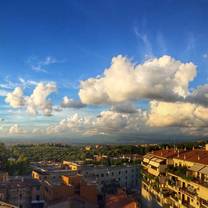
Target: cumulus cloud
199 95
71 103
37 102
74 123
162 78
106 122
16 98
16 129
164 114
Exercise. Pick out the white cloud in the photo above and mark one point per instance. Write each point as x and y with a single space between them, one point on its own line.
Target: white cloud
16 129
37 102
71 103
164 114
160 78
41 65
199 95
146 42
105 123
16 98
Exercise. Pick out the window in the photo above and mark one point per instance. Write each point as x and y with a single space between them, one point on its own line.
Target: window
46 189
37 197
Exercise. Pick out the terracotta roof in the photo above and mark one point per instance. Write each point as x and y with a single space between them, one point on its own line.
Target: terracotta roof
197 156
120 200
165 153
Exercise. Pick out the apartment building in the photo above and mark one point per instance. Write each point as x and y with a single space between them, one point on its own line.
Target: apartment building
177 178
24 193
50 172
125 175
80 182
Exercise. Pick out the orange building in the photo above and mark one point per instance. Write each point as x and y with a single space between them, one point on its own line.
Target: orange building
89 192
120 200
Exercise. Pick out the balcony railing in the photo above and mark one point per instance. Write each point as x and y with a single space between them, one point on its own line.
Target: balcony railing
187 191
204 203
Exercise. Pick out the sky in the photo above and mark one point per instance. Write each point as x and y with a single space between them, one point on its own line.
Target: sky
108 70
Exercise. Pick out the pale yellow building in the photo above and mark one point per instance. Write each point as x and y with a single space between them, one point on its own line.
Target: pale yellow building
177 179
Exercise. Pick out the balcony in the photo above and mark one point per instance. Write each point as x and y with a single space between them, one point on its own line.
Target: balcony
181 172
200 182
188 191
187 204
204 204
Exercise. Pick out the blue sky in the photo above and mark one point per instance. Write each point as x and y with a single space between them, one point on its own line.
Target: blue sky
65 42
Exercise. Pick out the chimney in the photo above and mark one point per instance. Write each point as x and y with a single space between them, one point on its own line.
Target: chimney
198 157
184 156
193 148
206 147
178 153
167 148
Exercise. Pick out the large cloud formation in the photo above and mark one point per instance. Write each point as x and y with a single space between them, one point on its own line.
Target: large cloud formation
163 114
37 102
16 98
170 106
16 129
160 78
107 122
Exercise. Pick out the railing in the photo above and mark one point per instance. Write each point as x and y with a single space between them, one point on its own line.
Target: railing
187 204
188 192
204 203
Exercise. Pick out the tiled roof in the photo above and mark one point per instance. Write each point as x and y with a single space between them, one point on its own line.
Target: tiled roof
196 156
165 153
120 200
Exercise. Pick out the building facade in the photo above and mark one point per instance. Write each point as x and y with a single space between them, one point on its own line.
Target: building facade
176 178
